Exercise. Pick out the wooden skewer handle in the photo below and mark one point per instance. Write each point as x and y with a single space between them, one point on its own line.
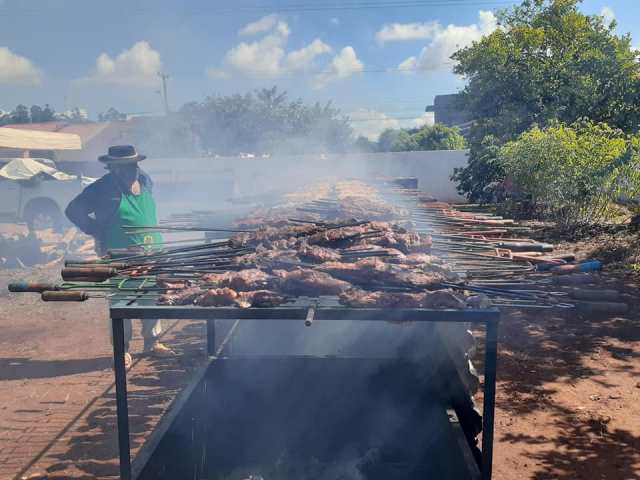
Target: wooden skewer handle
65 296
32 287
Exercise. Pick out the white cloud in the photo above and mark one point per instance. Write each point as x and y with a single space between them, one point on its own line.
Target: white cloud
445 41
299 59
397 32
262 25
267 57
370 123
608 15
16 69
408 66
260 59
427 118
343 65
137 66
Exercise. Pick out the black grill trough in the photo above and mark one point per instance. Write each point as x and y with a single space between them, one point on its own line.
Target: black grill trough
247 417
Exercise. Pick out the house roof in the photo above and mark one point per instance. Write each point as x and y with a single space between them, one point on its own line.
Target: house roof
35 139
86 131
97 137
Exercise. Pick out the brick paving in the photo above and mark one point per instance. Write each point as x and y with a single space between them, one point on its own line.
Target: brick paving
57 400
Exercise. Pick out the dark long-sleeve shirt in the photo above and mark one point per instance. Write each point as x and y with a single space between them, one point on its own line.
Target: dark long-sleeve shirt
93 210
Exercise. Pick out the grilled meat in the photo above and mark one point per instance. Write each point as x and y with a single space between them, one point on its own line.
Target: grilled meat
271 234
357 298
284 244
338 237
368 206
261 299
363 271
315 254
479 301
267 258
242 281
218 297
443 299
373 271
306 282
439 299
364 249
405 242
172 284
182 297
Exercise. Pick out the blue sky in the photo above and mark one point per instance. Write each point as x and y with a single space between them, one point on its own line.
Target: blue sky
382 65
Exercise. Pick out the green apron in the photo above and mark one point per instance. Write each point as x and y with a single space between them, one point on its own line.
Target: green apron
134 210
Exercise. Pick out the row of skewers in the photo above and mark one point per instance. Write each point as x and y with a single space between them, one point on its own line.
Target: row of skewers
476 255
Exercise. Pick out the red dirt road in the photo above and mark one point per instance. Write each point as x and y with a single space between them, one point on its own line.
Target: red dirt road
57 400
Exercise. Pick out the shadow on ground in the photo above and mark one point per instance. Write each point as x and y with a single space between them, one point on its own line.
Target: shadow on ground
537 350
20 368
92 451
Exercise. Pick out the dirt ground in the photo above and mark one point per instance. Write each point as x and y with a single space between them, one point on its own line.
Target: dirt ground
568 402
568 397
57 397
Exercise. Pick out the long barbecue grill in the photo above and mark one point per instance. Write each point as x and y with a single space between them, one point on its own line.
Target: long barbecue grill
301 429
317 414
161 458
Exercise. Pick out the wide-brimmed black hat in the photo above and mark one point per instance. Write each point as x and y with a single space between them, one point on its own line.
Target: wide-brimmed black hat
122 154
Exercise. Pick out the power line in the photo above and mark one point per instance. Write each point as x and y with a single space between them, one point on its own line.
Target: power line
346 6
295 8
354 71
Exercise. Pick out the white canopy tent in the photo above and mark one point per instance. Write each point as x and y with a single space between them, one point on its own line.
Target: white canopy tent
28 168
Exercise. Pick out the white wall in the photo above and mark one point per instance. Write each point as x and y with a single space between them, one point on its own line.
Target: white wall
433 169
217 179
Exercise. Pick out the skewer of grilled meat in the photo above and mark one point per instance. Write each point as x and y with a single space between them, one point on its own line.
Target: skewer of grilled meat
439 299
307 282
374 270
241 281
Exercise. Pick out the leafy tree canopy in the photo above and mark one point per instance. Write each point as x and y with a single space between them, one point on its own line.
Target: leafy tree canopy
266 121
547 61
439 137
573 173
112 115
429 137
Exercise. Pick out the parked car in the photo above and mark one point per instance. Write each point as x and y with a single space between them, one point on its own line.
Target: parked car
35 192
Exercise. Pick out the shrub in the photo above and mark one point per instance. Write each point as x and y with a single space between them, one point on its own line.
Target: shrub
572 173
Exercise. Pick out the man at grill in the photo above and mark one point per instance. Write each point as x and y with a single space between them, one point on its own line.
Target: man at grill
121 198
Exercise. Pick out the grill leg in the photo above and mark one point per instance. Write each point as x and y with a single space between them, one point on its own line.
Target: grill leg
211 337
117 325
491 356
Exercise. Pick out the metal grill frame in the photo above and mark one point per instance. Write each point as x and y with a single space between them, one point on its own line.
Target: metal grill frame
122 309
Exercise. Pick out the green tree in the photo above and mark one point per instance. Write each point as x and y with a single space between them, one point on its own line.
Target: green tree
439 137
546 62
48 113
20 115
574 174
399 140
364 145
39 114
112 115
266 121
36 113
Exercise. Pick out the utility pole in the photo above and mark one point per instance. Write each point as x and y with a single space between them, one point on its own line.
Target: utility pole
164 77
